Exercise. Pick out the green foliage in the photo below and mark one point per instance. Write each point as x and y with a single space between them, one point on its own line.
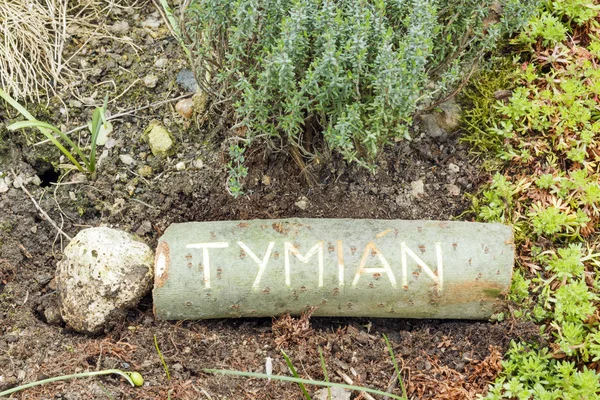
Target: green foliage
342 76
237 170
535 374
546 144
97 124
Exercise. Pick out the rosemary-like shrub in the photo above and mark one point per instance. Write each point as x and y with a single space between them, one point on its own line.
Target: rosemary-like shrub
339 75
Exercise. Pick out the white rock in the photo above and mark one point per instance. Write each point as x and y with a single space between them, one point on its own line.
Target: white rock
103 273
126 159
3 186
302 203
454 168
198 164
180 166
418 188
152 22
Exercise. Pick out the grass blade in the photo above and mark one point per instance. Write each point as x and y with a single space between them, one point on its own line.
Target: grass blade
324 367
389 346
16 105
293 371
96 125
22 110
125 375
303 381
162 360
46 129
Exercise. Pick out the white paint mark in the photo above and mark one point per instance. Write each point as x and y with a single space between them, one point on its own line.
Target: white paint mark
363 270
205 257
262 265
340 259
161 265
438 279
290 248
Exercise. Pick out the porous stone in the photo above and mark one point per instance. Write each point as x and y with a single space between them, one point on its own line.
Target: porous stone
161 141
103 273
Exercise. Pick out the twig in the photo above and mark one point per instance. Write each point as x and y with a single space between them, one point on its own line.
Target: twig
349 381
35 203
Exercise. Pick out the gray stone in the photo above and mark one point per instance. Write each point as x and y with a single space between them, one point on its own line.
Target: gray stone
161 141
103 272
120 27
454 168
186 79
161 63
443 121
198 163
126 159
145 228
453 190
150 81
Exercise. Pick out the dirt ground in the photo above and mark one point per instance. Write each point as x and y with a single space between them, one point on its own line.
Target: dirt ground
440 359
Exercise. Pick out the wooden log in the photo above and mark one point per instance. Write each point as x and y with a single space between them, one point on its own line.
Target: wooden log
343 267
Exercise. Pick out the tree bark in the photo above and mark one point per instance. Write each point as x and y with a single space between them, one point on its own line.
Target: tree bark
343 267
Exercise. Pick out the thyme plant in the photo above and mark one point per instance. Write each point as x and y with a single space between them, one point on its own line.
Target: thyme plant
344 76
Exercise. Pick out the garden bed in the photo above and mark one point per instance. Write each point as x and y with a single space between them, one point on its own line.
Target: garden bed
425 178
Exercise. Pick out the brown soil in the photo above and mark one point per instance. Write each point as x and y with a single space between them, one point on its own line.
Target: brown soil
439 359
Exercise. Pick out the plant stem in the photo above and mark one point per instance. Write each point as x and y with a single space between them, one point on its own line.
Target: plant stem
304 381
65 377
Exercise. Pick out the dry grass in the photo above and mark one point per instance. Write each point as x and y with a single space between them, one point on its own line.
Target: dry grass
33 38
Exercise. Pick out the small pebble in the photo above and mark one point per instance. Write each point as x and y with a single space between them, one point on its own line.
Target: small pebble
3 186
180 166
161 63
198 164
145 171
453 190
185 108
418 188
126 159
150 81
121 27
302 203
454 168
145 228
